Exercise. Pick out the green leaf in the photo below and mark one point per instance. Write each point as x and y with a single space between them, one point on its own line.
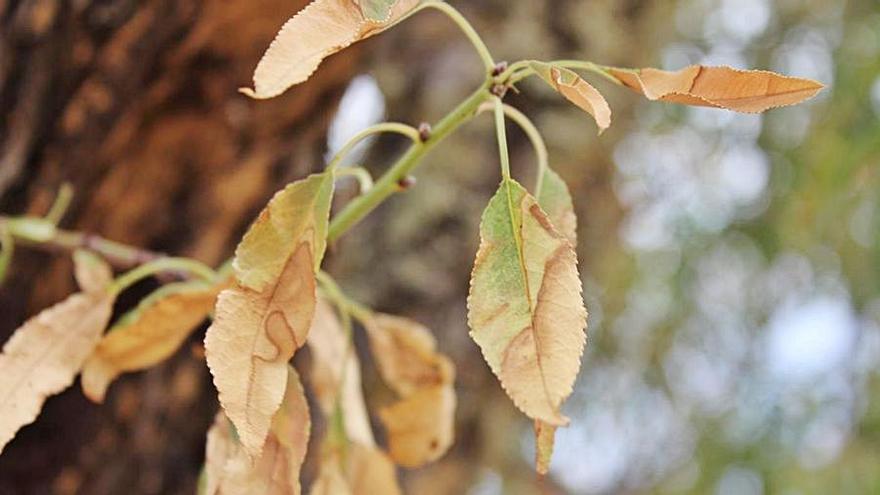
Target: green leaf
525 307
377 10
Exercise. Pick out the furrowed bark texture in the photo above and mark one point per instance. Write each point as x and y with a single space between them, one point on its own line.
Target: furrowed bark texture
136 105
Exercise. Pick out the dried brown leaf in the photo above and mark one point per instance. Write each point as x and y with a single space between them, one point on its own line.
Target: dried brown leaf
747 91
45 354
149 334
321 29
576 90
420 426
336 375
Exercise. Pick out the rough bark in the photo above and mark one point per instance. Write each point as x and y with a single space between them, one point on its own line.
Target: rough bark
135 104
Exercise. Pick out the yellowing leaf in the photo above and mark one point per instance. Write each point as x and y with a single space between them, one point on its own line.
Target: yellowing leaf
554 198
336 376
149 334
576 90
420 426
228 470
321 29
259 323
525 307
44 355
748 91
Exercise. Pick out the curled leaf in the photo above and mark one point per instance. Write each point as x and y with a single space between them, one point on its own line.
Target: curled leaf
261 321
554 198
45 354
420 426
336 376
576 90
149 334
228 470
525 307
321 29
92 273
747 91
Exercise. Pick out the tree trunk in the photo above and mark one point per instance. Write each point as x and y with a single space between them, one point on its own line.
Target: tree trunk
135 105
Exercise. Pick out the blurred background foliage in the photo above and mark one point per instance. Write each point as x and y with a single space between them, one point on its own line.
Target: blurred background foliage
731 263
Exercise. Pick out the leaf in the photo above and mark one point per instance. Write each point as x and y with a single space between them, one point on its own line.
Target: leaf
554 198
228 469
336 376
367 471
576 90
92 273
321 29
45 354
149 334
545 437
420 427
525 307
748 91
261 321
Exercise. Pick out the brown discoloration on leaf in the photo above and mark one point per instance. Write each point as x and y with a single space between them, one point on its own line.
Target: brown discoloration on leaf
747 91
576 90
535 345
420 426
266 316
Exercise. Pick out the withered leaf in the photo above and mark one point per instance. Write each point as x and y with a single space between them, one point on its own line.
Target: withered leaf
336 375
554 198
228 470
45 354
576 90
149 334
747 91
365 470
420 426
261 321
525 307
545 438
321 29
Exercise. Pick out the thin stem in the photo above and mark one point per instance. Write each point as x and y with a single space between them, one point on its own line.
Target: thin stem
589 66
388 184
466 27
163 265
51 238
7 247
535 137
501 132
62 202
365 180
518 71
411 132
